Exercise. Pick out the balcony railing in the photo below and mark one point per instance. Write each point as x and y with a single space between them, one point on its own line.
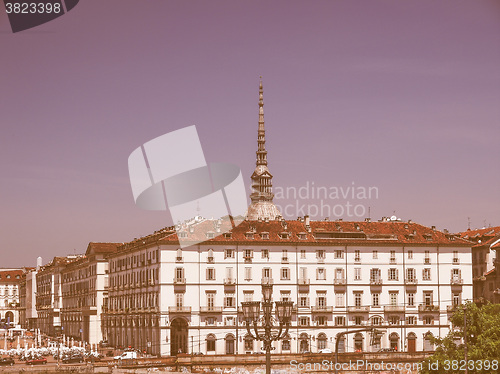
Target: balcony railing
358 309
321 309
211 309
428 308
179 309
179 280
266 280
394 309
229 281
304 281
456 281
339 281
411 281
376 281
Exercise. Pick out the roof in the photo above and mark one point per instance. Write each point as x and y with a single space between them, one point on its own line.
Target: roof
482 237
101 248
278 232
11 275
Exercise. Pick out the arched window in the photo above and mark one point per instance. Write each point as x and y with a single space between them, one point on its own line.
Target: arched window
303 343
285 344
211 343
394 341
322 340
428 346
358 342
179 255
229 344
412 342
210 255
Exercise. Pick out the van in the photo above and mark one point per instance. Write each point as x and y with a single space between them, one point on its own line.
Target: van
129 355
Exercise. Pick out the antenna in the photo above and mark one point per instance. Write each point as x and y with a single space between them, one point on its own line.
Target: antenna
468 223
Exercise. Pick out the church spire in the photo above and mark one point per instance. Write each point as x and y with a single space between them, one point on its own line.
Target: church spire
262 180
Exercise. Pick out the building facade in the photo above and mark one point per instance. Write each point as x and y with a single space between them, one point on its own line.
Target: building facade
9 296
402 277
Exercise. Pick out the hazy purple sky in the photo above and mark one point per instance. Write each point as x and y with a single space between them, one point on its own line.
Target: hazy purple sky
404 96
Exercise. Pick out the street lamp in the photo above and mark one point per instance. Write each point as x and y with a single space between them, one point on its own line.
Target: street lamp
264 327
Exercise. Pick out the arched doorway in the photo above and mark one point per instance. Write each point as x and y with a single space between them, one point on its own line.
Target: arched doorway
412 342
342 344
394 341
358 342
428 346
9 317
229 344
211 343
178 336
322 341
303 343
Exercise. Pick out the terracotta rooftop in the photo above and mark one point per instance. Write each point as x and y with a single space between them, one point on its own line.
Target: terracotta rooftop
482 237
278 232
10 276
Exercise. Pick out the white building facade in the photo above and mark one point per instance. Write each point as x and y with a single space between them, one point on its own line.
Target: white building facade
9 295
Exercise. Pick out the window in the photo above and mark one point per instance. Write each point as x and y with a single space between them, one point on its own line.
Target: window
303 254
264 254
339 254
248 273
375 275
248 254
456 299
411 274
304 321
248 296
455 275
393 298
303 274
248 343
393 320
427 259
179 300
393 256
285 295
339 300
321 320
376 320
285 273
411 320
358 320
210 256
179 274
393 274
179 255
264 235
357 274
322 341
266 274
455 257
211 342
229 274
321 300
340 321
210 299
229 301
410 255
229 253
357 255
375 254
210 274
357 299
303 301
428 320
411 299
339 274
428 298
426 274
285 345
320 274
210 321
375 300
284 256
320 254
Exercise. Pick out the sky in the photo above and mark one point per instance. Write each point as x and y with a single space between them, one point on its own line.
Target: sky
402 97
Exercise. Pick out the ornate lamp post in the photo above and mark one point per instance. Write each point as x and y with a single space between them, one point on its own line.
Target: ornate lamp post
267 328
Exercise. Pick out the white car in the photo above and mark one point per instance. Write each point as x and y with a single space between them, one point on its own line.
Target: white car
126 356
326 350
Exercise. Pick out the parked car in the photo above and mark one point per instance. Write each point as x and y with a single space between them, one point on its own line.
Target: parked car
72 359
6 361
129 355
326 350
387 350
36 361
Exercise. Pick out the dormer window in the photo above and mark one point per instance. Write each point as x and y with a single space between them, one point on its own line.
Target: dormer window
302 235
264 235
210 235
284 235
182 234
228 235
249 235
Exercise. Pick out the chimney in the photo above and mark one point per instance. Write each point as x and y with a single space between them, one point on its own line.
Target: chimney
433 228
307 221
368 219
38 263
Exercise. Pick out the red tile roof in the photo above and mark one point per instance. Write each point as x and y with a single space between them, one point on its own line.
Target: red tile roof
10 276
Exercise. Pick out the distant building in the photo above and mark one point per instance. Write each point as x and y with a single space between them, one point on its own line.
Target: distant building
9 296
485 263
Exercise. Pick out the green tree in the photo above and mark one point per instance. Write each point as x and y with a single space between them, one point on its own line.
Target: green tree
482 332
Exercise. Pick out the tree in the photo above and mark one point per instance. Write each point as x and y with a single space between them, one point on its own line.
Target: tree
482 333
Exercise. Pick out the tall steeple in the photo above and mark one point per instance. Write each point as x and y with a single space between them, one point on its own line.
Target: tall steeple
262 205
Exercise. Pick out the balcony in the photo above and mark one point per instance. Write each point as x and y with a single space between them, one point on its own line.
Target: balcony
229 281
454 281
266 280
321 309
451 308
411 281
358 309
428 308
394 309
376 282
284 260
211 309
304 281
339 281
179 309
179 280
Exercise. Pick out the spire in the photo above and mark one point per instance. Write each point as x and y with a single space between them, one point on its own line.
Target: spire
262 180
